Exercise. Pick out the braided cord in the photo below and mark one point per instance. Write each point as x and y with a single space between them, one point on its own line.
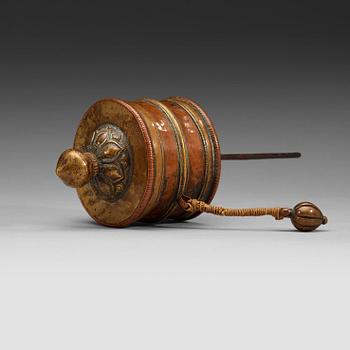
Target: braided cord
194 205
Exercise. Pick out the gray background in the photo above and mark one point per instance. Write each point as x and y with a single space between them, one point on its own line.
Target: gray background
274 76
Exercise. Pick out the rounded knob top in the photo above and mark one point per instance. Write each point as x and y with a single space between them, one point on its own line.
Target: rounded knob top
75 168
306 216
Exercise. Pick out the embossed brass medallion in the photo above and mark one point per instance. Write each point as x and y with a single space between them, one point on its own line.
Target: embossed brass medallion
112 151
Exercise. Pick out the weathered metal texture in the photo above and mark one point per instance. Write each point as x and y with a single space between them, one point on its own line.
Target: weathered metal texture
110 147
132 161
306 216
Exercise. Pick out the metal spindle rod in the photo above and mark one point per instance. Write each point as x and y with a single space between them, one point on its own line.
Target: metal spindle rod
246 156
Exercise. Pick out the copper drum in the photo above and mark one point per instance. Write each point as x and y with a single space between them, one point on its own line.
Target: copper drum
142 157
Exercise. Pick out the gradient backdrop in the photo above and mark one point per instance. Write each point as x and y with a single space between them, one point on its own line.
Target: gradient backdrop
274 76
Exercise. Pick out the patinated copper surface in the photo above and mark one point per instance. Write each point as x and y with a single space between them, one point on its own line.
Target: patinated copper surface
153 160
133 160
306 216
131 206
75 168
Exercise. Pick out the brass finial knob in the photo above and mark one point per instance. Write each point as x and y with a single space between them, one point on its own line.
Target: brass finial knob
75 168
306 216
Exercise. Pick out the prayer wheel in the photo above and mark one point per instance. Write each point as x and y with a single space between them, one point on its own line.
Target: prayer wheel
156 160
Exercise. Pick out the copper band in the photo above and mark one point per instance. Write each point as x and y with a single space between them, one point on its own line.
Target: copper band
207 159
216 163
151 161
182 153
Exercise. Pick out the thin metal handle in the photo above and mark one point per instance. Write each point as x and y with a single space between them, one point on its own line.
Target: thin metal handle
246 156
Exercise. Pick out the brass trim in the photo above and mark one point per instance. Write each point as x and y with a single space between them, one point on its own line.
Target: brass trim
182 152
156 165
207 160
137 214
215 146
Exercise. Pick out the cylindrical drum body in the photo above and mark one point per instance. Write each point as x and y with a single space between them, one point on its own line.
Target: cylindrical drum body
150 154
